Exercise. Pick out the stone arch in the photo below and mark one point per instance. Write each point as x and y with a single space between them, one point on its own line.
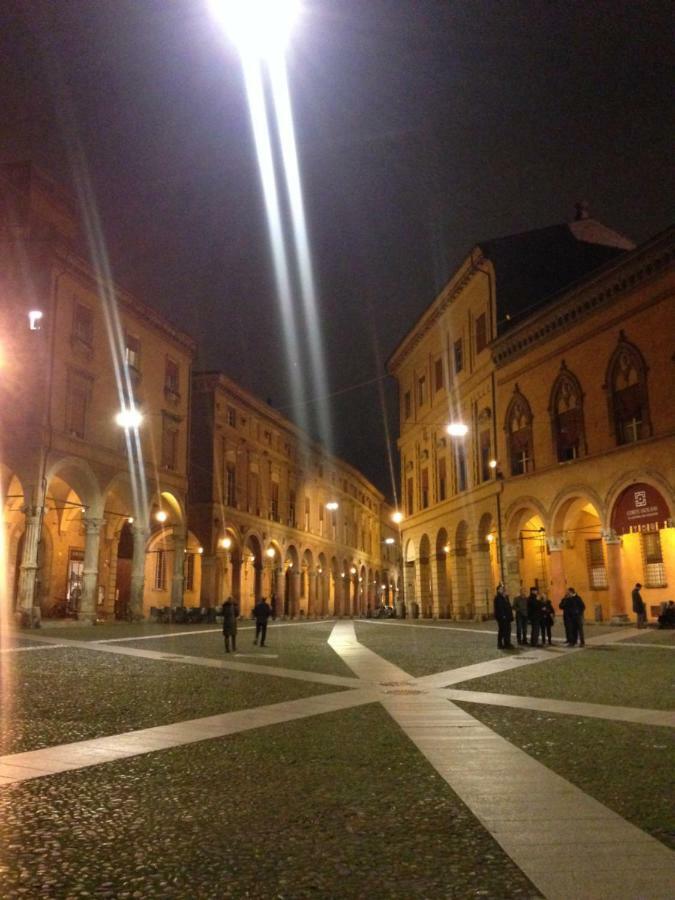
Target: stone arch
526 547
648 476
251 572
80 478
576 551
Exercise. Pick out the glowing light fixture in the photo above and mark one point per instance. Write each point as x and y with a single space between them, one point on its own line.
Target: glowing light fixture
270 552
389 540
226 543
383 587
34 317
493 464
200 549
397 517
457 429
128 418
446 549
161 515
490 538
332 505
130 520
353 570
259 27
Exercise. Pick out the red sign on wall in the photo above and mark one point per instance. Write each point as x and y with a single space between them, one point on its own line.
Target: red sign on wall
639 508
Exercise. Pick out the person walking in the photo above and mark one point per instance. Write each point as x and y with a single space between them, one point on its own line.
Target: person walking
261 613
547 617
639 607
504 616
520 609
535 607
230 615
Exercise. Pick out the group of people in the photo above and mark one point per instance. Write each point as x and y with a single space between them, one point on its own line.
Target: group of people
261 613
535 612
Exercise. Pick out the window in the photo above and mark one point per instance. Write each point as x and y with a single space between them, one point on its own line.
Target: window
442 492
274 500
481 333
595 557
519 435
169 442
627 382
171 377
421 390
460 467
291 509
407 405
425 488
160 570
231 416
83 324
321 519
78 397
438 374
253 494
409 497
230 485
132 352
334 525
567 417
307 513
652 558
458 355
190 571
485 444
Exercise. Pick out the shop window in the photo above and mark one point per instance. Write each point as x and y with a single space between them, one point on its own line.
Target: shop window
595 559
519 435
160 570
438 374
442 479
458 356
425 488
78 396
83 325
190 571
481 333
652 559
567 417
627 382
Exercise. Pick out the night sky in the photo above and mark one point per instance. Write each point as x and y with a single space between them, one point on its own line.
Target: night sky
423 127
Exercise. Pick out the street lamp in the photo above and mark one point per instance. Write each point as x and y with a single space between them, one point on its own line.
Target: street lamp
397 517
270 552
128 417
457 429
390 540
161 515
332 505
260 27
226 543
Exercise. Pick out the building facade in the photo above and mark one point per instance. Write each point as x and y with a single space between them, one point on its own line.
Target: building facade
95 513
280 517
542 349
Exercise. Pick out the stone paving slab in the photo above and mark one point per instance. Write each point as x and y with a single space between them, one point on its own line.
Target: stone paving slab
568 707
491 667
67 757
507 791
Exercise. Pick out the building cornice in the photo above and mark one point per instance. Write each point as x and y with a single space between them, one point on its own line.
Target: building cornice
583 301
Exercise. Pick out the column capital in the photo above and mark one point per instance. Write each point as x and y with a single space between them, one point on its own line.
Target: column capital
610 536
92 525
556 543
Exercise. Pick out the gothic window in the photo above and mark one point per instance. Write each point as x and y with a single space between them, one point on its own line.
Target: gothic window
519 435
627 384
567 417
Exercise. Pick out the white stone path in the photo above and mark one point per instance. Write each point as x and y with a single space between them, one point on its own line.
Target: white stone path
567 843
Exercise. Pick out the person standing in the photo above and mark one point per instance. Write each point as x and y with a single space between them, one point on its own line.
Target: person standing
520 609
535 607
230 615
566 606
261 613
547 617
639 607
575 607
504 616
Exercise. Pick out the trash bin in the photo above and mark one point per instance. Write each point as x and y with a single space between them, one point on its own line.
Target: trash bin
598 612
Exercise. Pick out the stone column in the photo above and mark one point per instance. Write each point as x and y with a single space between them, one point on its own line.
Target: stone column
28 604
558 587
178 580
312 583
140 536
483 589
280 591
209 590
337 594
92 539
460 580
617 599
293 606
439 585
511 550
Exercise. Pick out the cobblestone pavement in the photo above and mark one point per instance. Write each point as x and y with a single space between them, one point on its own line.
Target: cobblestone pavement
611 856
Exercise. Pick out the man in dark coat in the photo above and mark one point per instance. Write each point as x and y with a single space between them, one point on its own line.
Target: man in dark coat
230 614
261 613
573 608
519 606
535 609
547 617
639 607
504 616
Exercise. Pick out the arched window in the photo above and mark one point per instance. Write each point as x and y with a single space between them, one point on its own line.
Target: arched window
519 435
567 417
627 384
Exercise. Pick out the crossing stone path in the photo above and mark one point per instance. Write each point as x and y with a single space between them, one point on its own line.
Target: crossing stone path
495 779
